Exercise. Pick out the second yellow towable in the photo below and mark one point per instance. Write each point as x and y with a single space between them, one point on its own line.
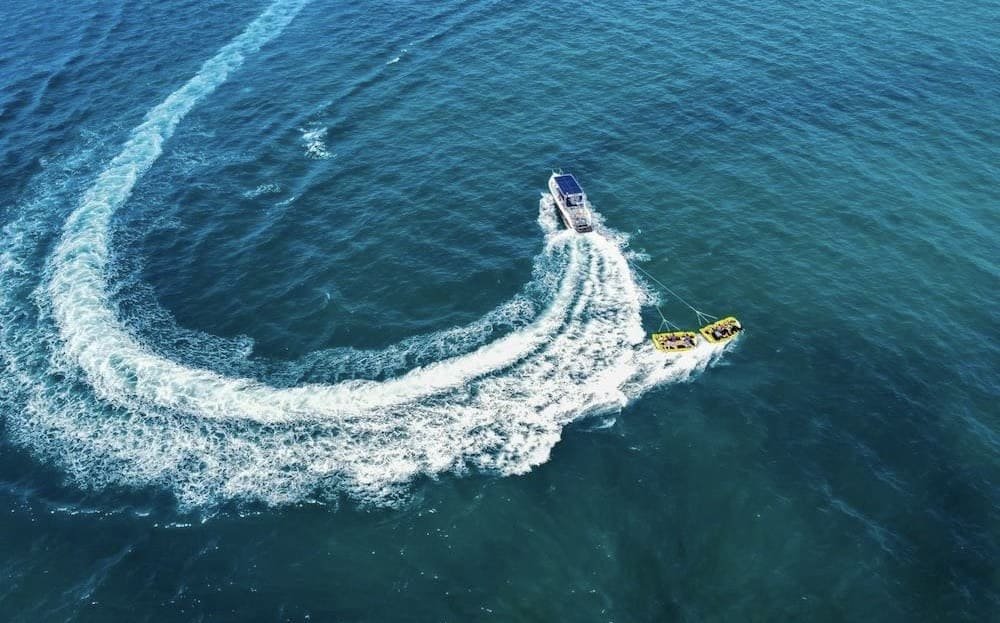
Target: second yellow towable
722 331
674 341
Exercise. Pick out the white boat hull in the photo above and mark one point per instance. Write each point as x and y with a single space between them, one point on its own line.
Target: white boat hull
576 217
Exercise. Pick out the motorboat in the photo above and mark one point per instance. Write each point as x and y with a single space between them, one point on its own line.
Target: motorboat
572 202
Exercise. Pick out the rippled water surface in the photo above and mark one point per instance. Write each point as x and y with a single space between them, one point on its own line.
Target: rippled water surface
289 332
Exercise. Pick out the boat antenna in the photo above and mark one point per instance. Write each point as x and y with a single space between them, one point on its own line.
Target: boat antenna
700 314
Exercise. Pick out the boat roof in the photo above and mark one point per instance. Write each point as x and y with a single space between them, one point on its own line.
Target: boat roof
568 185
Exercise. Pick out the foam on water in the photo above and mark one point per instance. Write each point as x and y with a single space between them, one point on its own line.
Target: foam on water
262 189
315 141
146 419
396 59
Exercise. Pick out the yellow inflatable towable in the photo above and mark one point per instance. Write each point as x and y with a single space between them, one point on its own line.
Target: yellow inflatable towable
674 341
722 331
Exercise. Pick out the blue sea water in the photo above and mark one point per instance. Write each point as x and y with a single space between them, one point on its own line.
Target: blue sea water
288 331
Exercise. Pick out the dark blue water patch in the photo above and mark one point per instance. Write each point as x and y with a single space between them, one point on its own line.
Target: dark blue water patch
34 490
399 291
329 228
76 58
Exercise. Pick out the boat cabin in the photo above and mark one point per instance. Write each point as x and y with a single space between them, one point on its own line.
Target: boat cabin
570 190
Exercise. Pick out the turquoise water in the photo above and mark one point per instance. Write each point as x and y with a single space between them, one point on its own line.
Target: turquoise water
288 331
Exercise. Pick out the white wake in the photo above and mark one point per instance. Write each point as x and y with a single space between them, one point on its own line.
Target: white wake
210 437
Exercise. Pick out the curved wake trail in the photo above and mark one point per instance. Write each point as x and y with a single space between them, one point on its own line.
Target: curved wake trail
209 437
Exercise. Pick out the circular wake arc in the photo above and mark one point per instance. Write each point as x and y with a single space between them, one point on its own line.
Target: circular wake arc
209 437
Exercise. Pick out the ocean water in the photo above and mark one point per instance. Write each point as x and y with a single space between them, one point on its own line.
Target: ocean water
289 330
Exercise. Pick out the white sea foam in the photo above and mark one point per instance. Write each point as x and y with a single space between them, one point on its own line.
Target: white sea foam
262 189
396 59
315 141
499 405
